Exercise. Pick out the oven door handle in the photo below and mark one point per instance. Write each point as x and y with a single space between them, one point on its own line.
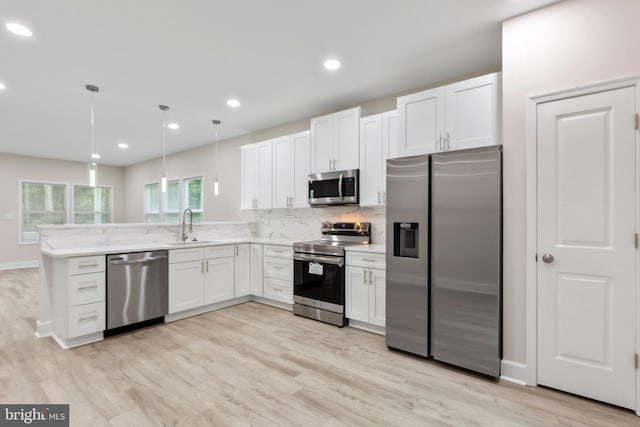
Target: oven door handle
340 186
321 259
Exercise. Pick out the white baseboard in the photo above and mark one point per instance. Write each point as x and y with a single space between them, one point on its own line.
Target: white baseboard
514 372
18 265
380 330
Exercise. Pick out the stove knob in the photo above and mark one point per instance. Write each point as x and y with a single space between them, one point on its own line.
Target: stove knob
364 227
357 228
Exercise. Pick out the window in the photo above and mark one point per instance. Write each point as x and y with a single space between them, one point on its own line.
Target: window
91 205
152 203
41 203
193 197
172 202
181 194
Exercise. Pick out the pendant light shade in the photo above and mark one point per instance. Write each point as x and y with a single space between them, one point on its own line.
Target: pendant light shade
163 181
92 166
216 184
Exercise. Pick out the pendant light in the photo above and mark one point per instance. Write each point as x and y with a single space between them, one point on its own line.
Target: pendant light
92 165
163 182
216 185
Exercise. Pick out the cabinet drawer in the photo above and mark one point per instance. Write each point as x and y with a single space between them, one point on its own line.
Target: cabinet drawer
86 264
278 251
184 255
367 260
86 319
86 288
278 268
218 252
279 290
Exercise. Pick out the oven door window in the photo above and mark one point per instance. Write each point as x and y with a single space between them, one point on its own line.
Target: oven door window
319 281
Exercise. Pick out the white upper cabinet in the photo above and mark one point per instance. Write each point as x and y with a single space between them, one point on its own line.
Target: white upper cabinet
282 171
473 112
377 134
301 144
291 160
335 141
420 122
460 115
256 179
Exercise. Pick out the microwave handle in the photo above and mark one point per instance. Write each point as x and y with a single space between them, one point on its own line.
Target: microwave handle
340 186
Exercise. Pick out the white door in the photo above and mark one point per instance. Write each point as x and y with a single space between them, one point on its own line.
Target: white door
219 280
377 296
282 172
264 178
371 155
322 144
185 286
301 162
346 139
473 109
421 122
586 222
242 269
356 294
248 180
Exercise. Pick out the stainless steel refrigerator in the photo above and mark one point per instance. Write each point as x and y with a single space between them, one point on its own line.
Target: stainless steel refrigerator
407 315
444 257
466 258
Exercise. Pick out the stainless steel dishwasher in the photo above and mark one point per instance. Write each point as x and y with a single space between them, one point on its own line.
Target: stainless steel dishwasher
137 288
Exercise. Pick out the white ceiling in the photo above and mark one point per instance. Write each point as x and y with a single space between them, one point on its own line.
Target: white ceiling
195 54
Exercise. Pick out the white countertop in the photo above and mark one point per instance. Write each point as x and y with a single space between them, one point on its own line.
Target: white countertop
375 248
116 249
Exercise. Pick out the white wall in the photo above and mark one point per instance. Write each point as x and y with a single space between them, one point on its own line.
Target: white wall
571 43
15 168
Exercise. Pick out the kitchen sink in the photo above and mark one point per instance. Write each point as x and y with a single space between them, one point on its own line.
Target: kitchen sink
189 242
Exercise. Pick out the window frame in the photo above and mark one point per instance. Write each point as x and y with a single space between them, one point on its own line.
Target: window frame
72 205
21 211
144 204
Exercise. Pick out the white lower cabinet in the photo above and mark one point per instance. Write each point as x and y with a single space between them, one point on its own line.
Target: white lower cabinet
200 276
278 273
256 270
85 311
185 285
218 280
365 288
242 268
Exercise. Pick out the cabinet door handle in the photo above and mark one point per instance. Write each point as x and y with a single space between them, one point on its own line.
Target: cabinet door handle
201 267
378 196
364 277
87 316
207 266
448 139
370 279
88 265
440 143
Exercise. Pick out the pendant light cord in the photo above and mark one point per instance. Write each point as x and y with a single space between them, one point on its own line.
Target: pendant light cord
92 125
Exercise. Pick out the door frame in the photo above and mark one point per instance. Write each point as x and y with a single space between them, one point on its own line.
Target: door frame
531 273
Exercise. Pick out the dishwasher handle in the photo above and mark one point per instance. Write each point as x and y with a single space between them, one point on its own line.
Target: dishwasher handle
121 261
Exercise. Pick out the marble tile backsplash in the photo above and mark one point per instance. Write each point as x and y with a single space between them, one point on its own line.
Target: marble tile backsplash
304 223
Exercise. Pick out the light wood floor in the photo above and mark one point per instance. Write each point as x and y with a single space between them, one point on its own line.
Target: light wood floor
256 365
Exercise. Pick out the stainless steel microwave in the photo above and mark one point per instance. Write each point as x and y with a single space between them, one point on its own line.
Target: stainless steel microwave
334 188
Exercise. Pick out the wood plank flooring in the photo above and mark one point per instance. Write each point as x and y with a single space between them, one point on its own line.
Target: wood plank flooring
255 365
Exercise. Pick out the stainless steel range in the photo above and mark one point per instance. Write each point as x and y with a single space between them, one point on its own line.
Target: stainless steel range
319 272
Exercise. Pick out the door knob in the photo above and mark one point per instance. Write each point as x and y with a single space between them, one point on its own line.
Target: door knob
548 258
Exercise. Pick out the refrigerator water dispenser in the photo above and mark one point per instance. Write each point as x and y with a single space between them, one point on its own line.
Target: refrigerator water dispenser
405 239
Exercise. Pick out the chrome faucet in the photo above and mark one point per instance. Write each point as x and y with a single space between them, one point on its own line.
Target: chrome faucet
184 236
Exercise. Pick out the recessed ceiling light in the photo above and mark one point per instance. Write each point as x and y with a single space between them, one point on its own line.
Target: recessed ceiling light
95 156
2 86
331 64
233 103
173 126
18 29
123 146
